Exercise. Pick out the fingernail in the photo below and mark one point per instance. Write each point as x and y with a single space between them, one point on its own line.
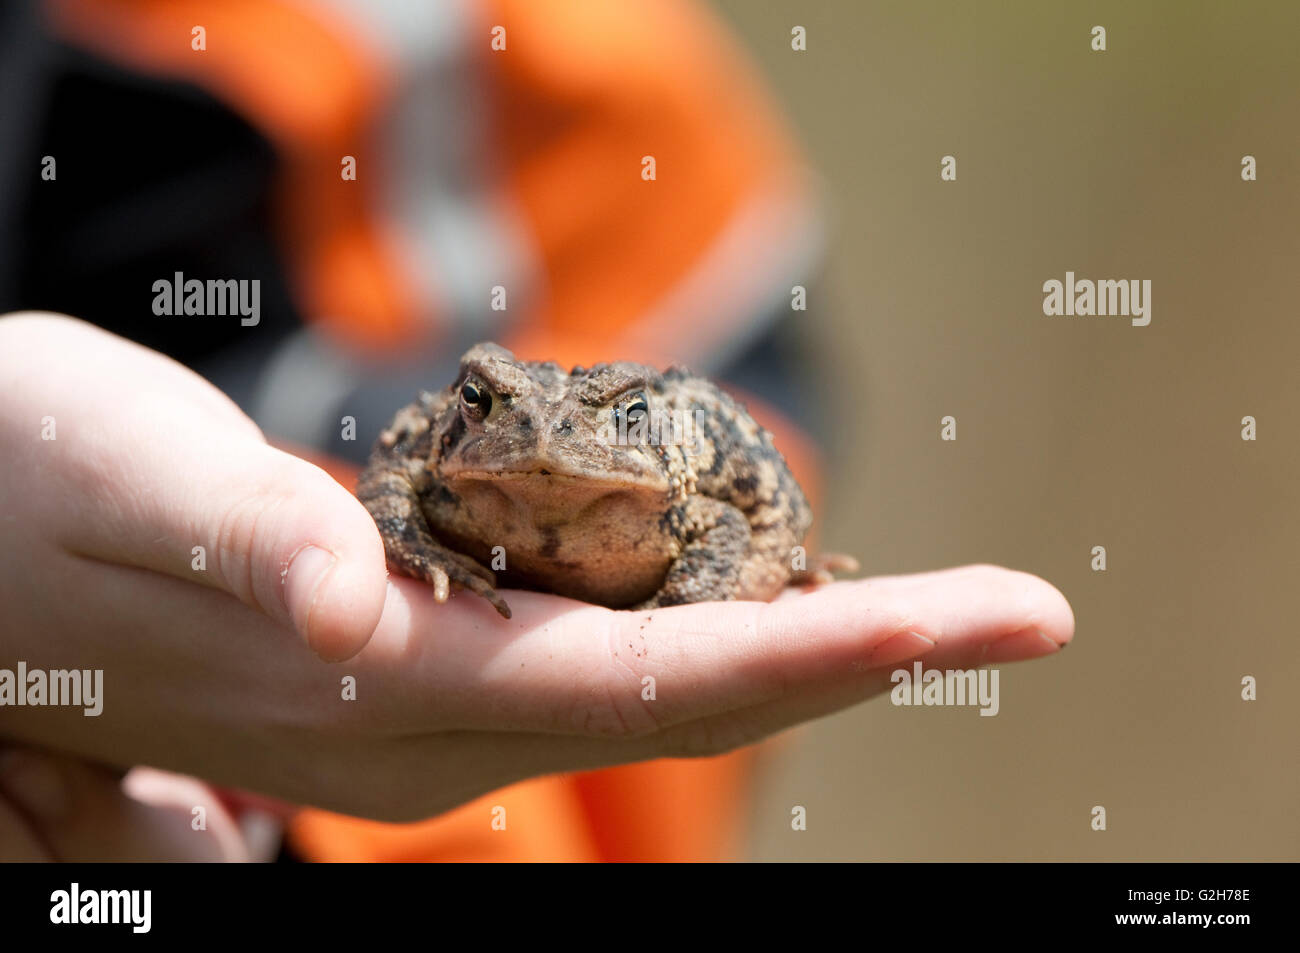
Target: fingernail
34 784
1025 644
308 570
896 648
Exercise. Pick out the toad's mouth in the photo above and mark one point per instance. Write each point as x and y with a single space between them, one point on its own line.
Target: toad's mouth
557 477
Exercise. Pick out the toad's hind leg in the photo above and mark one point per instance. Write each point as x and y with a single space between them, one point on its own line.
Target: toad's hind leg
822 568
410 546
712 561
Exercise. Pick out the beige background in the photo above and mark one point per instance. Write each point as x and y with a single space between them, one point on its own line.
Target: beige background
1073 432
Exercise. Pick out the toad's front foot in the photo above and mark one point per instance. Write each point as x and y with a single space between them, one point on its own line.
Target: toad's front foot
444 568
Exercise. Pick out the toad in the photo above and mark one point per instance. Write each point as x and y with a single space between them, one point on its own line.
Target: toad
615 484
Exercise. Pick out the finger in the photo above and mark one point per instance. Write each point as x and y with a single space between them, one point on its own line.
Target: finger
970 644
567 668
220 510
490 760
117 364
726 731
81 813
248 828
160 471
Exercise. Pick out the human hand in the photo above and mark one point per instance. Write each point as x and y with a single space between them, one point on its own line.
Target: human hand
203 675
57 808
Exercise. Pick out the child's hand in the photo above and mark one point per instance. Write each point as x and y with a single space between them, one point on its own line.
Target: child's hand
203 675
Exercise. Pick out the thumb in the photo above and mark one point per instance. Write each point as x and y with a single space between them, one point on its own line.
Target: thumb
233 513
303 550
154 467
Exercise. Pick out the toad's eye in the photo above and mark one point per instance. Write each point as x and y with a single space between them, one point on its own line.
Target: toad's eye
475 400
632 410
637 408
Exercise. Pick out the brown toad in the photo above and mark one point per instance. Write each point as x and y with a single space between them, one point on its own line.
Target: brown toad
614 484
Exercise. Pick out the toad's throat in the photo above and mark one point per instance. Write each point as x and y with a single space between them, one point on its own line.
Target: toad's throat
599 540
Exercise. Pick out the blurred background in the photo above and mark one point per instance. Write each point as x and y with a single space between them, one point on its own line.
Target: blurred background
522 168
1073 432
